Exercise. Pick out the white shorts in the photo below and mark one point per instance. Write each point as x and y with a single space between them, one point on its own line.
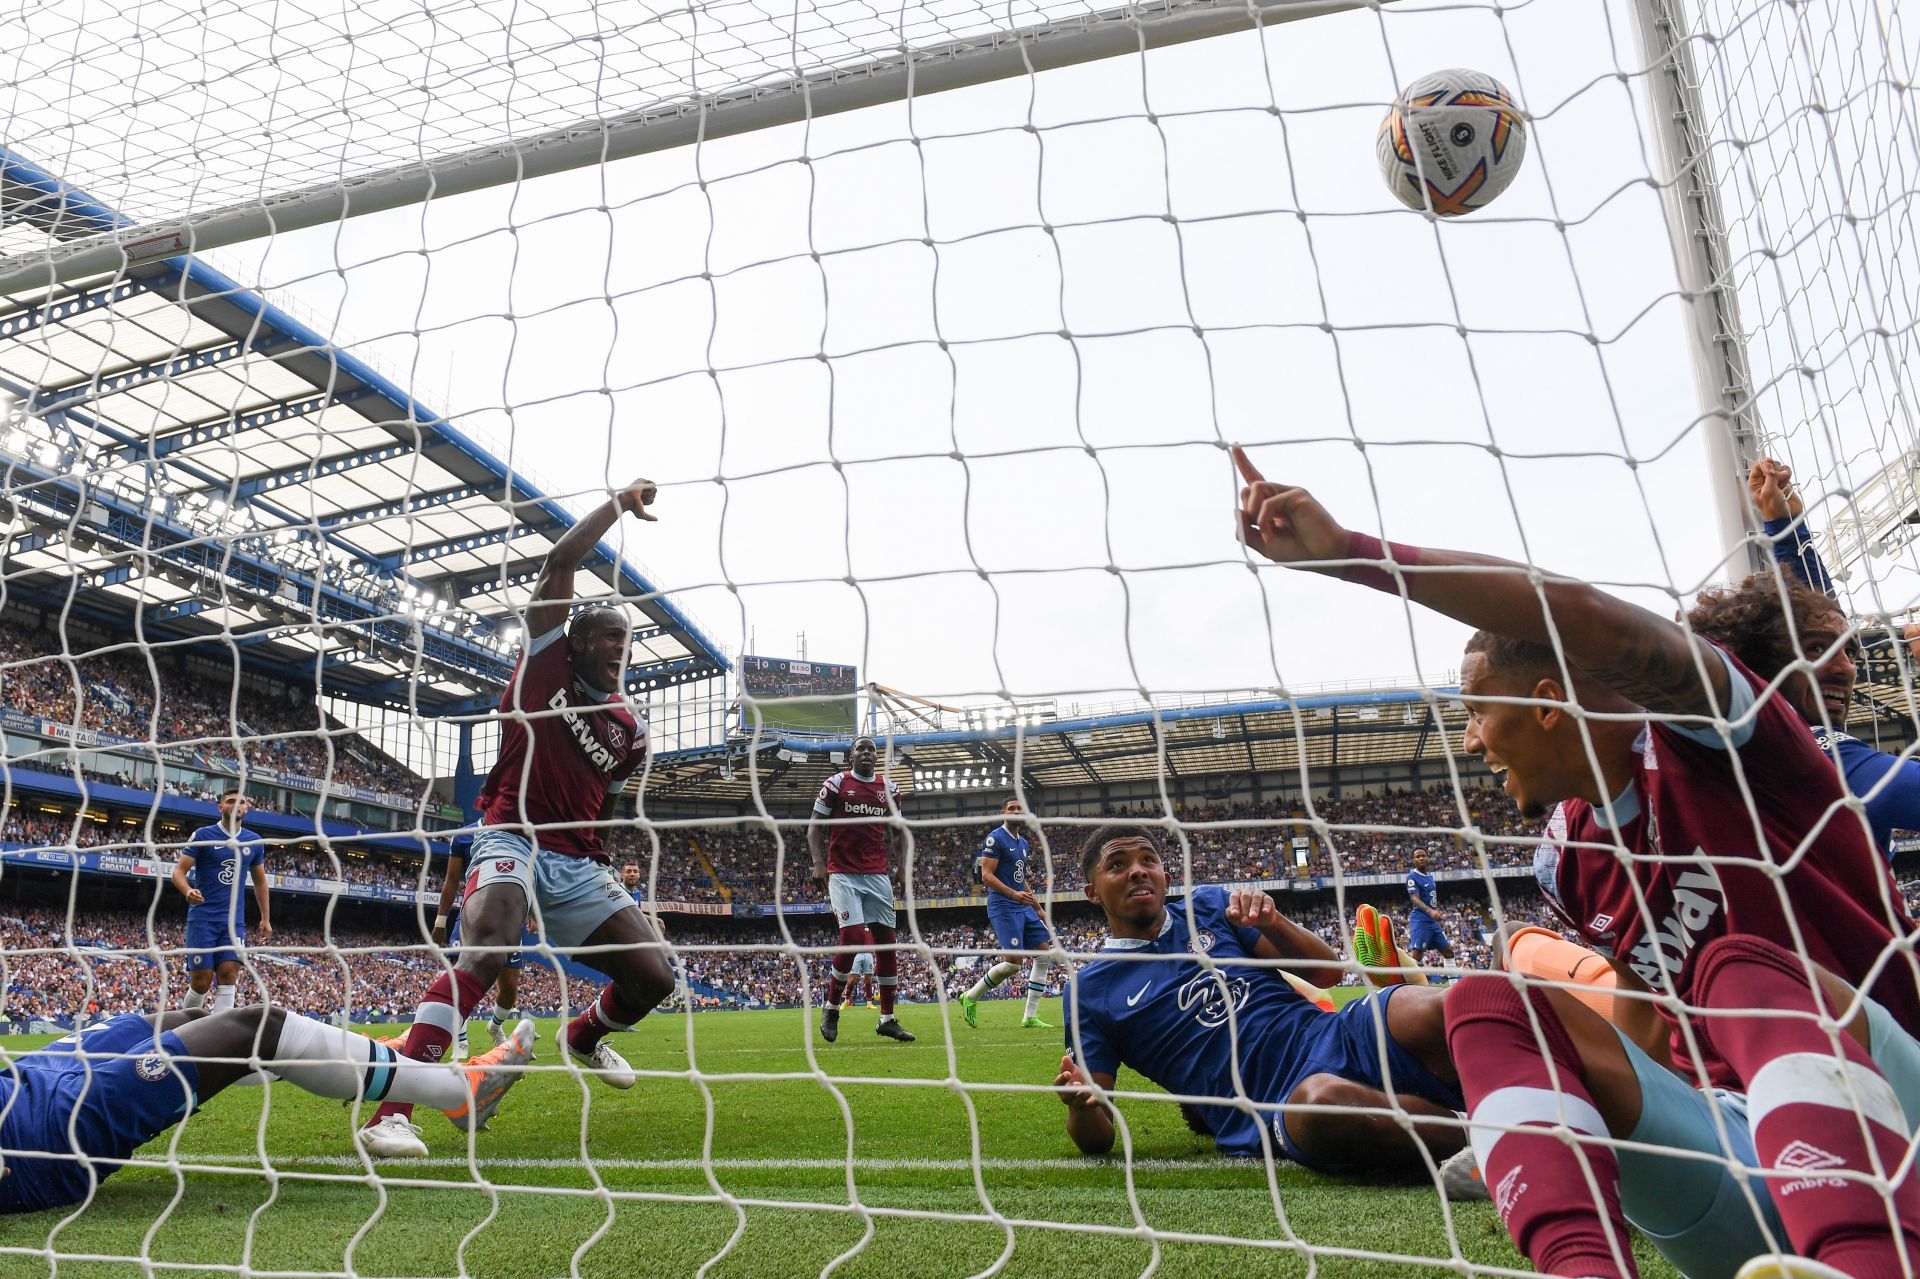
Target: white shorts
570 897
863 964
859 900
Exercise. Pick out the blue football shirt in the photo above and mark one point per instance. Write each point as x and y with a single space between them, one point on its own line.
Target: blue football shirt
1182 1024
1010 850
1890 783
1420 887
221 861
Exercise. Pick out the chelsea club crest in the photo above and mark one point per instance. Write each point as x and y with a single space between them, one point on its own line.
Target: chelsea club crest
152 1068
1203 940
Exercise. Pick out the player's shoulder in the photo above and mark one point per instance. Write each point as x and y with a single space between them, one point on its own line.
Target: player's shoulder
1838 742
1550 854
1209 903
834 782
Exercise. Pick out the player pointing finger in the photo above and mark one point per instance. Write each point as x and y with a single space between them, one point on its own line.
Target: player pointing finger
1285 523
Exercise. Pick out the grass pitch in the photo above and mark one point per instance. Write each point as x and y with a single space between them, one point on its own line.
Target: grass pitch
935 1171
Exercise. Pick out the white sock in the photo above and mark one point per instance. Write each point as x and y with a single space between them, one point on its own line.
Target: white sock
194 999
995 975
1037 987
501 1016
222 998
330 1062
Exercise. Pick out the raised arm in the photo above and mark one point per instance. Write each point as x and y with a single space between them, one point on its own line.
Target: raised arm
1782 515
1640 655
553 589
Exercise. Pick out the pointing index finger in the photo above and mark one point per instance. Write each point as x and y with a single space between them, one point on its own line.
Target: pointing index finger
1248 471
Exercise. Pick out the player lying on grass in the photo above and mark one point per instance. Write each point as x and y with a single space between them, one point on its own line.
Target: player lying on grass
1171 997
72 1112
1013 912
568 744
1788 624
1642 740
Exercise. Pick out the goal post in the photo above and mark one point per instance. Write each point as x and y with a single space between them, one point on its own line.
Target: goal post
893 76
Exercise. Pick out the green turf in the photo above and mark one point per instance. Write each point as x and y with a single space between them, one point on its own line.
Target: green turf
911 1145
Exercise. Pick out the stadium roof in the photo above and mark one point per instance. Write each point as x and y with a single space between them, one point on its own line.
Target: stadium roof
180 452
1275 737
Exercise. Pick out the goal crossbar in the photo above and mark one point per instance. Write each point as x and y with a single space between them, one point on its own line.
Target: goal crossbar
740 108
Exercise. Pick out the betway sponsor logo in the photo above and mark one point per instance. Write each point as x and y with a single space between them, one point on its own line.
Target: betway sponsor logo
600 754
1660 956
865 810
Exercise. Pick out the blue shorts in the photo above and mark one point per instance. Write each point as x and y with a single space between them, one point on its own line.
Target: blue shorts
114 1085
1349 1045
516 960
1424 934
1017 927
211 941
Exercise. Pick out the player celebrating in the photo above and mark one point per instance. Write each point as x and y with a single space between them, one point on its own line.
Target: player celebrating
1013 912
1424 932
1173 996
208 870
1772 624
506 987
75 1111
1648 745
568 743
853 869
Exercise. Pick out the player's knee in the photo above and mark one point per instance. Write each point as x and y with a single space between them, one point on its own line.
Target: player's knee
1320 1117
483 966
648 979
1417 1020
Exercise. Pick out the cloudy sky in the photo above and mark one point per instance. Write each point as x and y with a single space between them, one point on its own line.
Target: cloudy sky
1041 324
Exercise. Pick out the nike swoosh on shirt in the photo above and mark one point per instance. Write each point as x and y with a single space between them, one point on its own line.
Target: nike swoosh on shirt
1136 995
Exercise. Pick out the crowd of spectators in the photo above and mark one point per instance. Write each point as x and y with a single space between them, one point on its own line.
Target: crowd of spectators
1362 834
119 692
114 961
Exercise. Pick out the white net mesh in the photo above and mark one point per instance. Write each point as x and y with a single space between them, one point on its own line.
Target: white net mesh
938 383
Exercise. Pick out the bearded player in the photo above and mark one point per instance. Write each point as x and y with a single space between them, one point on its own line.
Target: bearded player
854 866
1642 740
1013 911
568 744
208 873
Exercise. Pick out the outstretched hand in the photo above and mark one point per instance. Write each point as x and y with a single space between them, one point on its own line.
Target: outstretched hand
1284 523
636 497
1075 1086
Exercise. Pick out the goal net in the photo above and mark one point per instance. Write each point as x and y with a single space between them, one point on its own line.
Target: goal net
933 324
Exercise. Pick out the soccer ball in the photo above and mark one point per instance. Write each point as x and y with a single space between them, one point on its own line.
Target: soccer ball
1454 139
